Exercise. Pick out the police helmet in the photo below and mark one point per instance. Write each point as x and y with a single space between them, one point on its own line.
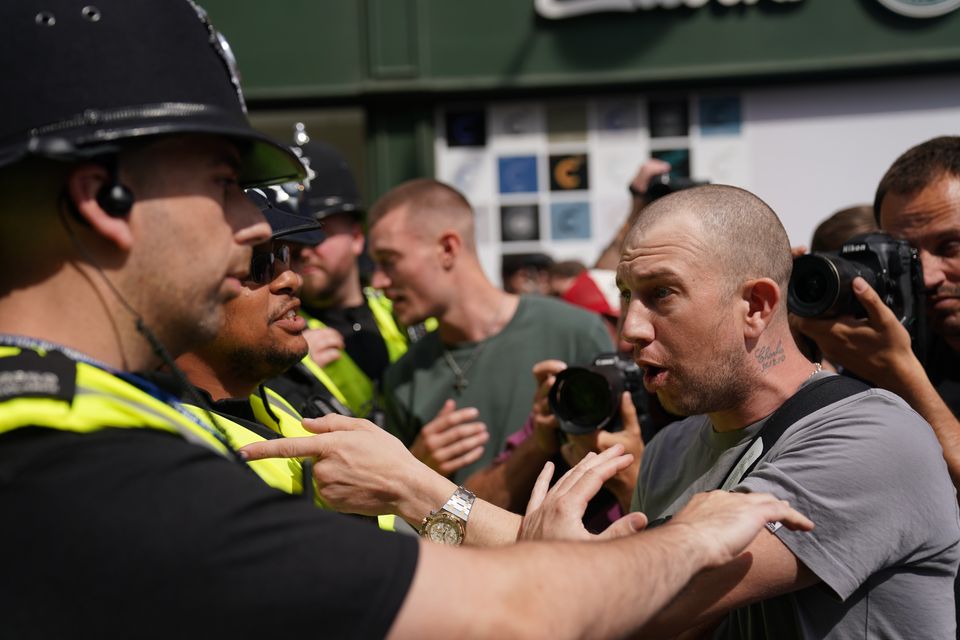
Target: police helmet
331 188
83 79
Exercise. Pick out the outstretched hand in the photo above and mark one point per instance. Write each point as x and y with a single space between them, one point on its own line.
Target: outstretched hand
452 440
726 522
557 513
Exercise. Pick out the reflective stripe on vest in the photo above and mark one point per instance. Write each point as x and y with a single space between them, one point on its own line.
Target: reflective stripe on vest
382 310
285 474
100 401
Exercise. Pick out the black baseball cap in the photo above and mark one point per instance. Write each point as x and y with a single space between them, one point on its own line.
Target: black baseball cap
83 79
285 223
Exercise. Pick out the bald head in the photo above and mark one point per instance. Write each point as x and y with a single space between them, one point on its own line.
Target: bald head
432 207
746 237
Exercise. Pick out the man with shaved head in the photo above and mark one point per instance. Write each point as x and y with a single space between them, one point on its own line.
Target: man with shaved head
423 242
703 275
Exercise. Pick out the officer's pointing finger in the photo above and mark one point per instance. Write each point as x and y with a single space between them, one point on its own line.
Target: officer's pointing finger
283 448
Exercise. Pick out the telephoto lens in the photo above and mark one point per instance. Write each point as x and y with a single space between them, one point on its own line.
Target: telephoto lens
820 286
586 399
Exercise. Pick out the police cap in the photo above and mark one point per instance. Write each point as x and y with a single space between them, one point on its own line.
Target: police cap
85 78
284 222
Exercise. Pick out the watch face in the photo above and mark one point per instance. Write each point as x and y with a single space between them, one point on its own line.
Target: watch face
445 529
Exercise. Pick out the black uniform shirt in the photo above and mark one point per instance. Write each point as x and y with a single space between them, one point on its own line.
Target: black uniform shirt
136 533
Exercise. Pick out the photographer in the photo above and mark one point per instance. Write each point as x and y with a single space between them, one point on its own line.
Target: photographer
918 200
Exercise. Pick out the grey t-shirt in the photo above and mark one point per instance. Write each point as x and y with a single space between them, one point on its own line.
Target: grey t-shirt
870 473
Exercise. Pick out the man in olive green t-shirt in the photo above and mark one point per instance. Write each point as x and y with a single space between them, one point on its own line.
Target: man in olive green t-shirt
480 358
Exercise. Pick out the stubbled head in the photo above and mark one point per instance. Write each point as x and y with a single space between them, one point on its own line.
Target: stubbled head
701 275
421 235
743 234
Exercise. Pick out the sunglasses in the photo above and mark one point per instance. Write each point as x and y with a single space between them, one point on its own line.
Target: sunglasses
265 267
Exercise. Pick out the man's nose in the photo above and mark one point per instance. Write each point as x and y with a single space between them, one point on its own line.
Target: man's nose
379 279
286 281
249 225
637 328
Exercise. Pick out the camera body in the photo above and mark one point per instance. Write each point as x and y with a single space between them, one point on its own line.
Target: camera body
586 399
665 184
820 285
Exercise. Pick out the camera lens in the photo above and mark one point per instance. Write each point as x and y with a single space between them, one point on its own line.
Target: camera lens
812 288
582 399
815 285
821 286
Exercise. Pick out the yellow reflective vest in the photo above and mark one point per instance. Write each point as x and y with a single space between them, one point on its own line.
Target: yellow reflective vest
285 474
47 389
343 377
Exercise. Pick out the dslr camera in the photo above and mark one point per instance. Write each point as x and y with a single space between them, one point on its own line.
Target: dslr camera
586 399
820 285
666 183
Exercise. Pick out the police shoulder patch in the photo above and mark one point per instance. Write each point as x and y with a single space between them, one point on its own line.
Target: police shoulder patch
31 375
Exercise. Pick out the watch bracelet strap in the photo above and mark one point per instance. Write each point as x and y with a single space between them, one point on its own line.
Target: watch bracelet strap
460 503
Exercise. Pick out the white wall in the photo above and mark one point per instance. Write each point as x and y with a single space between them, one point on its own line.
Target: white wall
817 148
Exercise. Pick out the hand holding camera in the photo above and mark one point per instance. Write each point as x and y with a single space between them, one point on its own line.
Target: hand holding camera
821 286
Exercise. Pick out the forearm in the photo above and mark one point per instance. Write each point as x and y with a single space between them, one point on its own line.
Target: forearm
917 390
610 256
508 484
608 589
765 570
488 526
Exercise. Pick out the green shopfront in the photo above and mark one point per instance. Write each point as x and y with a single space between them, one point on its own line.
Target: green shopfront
541 111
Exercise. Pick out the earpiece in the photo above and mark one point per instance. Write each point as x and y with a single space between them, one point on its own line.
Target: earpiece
116 199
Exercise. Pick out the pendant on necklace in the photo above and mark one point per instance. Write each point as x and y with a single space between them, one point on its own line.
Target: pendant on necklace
460 384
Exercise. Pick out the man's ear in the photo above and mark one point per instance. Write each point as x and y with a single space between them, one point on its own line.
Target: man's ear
762 297
83 184
356 230
449 245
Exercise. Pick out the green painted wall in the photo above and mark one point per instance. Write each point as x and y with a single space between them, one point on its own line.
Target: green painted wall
396 60
337 48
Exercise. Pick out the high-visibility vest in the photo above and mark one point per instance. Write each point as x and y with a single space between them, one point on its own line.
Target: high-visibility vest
47 389
285 474
343 377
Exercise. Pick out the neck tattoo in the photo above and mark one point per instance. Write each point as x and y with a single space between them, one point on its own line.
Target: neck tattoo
460 382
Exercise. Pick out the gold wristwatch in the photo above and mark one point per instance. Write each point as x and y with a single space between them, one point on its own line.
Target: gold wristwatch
448 524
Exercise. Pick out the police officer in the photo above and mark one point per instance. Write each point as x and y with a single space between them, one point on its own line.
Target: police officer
123 230
351 329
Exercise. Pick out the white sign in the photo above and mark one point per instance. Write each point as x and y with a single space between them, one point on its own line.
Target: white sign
556 9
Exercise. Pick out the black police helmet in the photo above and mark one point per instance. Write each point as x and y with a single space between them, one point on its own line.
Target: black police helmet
333 189
85 78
